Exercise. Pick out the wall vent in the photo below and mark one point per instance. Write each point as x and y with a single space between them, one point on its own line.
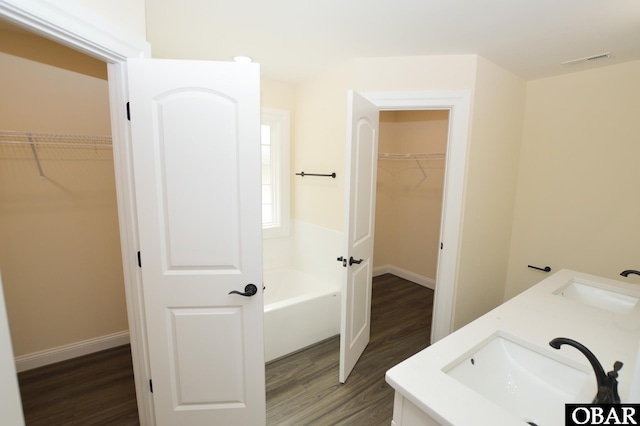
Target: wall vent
598 57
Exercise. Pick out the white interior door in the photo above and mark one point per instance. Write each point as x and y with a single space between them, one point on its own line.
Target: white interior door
196 152
362 157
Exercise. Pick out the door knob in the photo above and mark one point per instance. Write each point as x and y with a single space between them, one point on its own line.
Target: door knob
249 290
352 261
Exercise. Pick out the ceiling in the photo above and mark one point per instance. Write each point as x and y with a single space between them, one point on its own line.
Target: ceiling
296 39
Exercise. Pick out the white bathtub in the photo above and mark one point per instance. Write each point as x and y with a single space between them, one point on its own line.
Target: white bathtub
299 310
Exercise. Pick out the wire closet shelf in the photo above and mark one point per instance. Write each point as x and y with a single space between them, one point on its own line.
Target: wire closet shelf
52 140
412 156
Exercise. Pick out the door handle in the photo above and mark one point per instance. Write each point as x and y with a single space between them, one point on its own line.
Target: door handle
352 261
249 290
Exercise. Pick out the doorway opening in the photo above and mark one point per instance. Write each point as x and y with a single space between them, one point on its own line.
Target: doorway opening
362 148
63 265
412 146
458 105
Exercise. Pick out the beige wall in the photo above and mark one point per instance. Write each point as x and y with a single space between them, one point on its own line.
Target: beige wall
67 91
25 45
408 203
577 202
494 141
277 95
320 129
318 146
494 149
59 238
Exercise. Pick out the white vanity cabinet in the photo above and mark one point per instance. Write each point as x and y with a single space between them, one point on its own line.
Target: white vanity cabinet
405 413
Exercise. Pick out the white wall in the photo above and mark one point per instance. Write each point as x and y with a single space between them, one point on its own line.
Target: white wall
310 248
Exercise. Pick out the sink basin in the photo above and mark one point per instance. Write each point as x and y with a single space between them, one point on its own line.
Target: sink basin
522 379
604 298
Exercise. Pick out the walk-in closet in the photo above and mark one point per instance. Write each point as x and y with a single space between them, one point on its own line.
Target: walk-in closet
60 255
412 148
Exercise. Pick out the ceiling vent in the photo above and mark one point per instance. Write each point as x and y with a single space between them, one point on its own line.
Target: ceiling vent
588 59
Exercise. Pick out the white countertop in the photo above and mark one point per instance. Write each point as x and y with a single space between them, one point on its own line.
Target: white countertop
536 316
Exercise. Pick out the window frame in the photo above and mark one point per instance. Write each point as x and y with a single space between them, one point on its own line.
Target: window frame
279 122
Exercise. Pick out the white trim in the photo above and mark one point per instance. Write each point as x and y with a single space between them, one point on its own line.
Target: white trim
10 403
80 29
459 105
280 122
63 353
83 30
127 219
405 274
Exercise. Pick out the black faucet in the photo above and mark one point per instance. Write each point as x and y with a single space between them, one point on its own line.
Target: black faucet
607 383
629 271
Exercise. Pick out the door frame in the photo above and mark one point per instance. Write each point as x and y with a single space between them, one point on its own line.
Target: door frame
84 31
458 103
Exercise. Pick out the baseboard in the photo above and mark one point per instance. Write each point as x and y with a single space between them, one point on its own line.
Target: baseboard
407 275
62 353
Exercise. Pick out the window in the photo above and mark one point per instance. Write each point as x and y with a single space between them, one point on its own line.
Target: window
274 134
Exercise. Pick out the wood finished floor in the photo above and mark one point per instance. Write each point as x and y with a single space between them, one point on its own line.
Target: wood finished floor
302 389
95 389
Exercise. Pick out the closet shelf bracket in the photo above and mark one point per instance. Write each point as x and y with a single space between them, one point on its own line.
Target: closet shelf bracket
36 141
35 155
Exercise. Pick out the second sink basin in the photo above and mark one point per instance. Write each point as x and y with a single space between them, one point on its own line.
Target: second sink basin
522 379
599 297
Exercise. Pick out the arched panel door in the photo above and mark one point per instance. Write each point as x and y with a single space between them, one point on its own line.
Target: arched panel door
362 157
196 155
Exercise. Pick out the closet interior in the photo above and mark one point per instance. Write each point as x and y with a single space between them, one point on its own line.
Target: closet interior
60 254
412 149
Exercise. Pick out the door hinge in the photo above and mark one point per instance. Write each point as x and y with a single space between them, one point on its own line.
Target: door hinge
128 112
139 260
441 246
150 385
